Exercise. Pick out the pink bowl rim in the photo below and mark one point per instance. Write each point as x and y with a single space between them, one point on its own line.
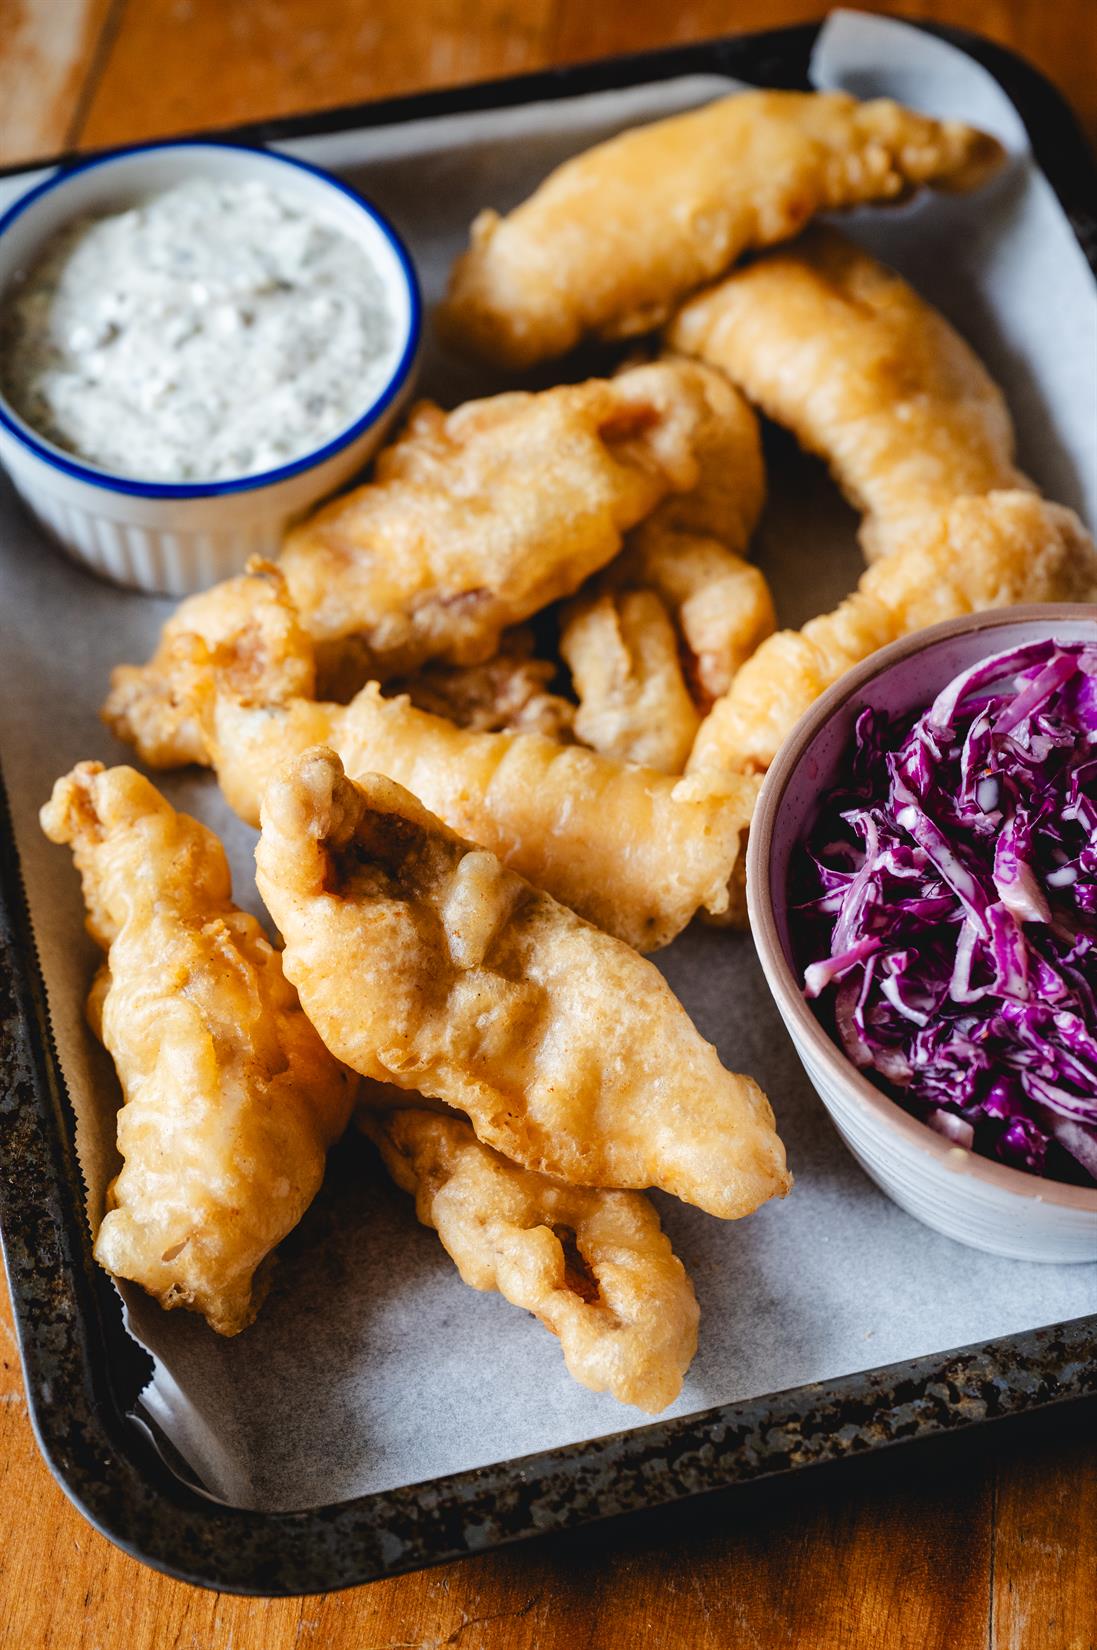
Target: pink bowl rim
782 980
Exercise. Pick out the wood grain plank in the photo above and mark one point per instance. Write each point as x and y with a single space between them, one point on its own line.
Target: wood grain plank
46 47
1045 1560
891 1552
1062 41
584 31
180 64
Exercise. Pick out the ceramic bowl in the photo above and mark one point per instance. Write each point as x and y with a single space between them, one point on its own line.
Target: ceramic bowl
177 538
973 1199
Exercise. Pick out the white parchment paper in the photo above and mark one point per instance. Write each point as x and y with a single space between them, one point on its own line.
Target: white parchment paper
371 1365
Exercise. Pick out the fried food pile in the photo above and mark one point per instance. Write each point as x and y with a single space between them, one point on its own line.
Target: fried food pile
472 521
503 712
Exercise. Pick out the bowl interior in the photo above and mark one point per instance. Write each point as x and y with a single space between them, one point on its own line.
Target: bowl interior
909 682
118 181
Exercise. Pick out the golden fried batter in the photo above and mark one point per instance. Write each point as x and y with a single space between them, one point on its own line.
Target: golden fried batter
690 550
259 640
637 852
864 373
508 691
593 1265
616 237
474 520
632 850
635 675
634 704
230 1098
721 603
990 551
478 518
726 498
422 961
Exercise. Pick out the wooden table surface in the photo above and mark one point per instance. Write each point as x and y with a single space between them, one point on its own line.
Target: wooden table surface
983 1541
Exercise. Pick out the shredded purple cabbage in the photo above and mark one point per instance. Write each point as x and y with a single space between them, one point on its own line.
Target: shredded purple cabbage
949 908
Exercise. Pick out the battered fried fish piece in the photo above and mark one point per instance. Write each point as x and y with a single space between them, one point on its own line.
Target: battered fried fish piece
593 1265
260 645
510 690
230 1098
474 520
990 551
865 373
721 603
690 551
634 704
478 518
615 238
635 851
422 961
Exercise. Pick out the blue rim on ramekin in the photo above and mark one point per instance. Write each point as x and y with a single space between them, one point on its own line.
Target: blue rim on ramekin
109 482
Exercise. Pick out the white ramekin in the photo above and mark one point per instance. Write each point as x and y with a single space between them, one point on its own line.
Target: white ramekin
968 1197
175 539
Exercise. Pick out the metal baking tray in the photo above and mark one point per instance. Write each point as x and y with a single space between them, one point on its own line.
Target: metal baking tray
84 1374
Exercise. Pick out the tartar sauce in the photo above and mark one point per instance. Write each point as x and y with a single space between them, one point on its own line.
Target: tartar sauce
212 331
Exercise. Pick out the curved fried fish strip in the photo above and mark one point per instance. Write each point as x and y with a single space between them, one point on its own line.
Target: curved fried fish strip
594 1266
991 551
637 852
865 373
614 239
726 498
230 1098
424 962
690 550
634 703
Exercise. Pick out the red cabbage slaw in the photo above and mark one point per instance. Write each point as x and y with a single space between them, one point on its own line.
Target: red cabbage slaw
951 909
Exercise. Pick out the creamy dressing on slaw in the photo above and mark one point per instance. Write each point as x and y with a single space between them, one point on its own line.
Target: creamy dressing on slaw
212 331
